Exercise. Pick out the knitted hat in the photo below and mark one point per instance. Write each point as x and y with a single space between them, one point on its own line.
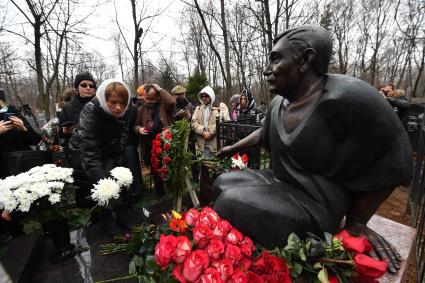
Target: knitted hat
178 89
83 76
2 95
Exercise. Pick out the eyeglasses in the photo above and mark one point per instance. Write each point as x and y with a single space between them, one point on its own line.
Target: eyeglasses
84 85
204 96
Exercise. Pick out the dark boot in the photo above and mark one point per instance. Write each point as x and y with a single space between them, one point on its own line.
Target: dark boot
109 225
58 231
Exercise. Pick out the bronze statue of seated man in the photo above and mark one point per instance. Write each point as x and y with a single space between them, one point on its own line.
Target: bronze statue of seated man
337 150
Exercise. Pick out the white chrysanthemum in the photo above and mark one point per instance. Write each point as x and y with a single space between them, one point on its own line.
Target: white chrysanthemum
41 189
55 185
54 198
105 190
7 200
123 176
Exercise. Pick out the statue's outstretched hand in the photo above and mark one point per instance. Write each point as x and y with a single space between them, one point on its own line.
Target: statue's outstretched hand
383 249
225 151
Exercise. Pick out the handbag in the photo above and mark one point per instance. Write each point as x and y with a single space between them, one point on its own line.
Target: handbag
16 162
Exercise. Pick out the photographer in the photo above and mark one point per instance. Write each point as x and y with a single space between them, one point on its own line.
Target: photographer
152 117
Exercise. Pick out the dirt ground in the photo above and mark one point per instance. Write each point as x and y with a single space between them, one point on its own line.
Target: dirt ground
394 208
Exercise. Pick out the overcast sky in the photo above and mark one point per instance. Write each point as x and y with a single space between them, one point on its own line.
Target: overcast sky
101 24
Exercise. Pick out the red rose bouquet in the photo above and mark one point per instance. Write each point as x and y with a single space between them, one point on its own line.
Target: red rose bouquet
170 157
199 246
205 248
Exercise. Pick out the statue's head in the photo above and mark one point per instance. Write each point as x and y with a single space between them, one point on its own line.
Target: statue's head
295 52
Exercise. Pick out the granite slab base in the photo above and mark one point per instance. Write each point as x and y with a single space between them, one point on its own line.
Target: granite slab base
21 260
400 236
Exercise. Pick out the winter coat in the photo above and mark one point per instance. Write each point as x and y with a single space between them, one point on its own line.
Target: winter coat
198 125
99 139
167 106
15 140
71 113
71 110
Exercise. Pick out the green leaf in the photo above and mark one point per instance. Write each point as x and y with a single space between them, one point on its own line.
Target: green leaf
328 237
132 268
323 276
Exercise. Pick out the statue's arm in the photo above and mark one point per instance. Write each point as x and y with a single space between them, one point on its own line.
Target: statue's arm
362 208
253 140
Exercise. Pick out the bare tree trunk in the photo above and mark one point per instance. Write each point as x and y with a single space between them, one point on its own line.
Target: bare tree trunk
420 71
228 77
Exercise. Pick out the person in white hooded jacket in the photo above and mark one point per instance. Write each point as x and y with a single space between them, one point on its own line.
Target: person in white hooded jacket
204 123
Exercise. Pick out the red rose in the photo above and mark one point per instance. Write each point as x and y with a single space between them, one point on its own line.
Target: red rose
245 263
209 217
167 146
158 136
238 277
354 244
163 170
369 267
269 264
215 248
183 249
211 276
166 159
245 158
280 277
202 235
255 278
165 250
168 136
178 273
236 156
234 237
158 151
195 264
233 252
247 246
221 229
191 217
225 267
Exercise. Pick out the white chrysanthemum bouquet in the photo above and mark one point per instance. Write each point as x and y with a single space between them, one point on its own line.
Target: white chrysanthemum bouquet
21 191
110 188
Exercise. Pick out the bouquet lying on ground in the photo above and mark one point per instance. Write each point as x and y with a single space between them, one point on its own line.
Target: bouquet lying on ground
199 246
41 183
109 188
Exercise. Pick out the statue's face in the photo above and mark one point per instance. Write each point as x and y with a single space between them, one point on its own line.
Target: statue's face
282 71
